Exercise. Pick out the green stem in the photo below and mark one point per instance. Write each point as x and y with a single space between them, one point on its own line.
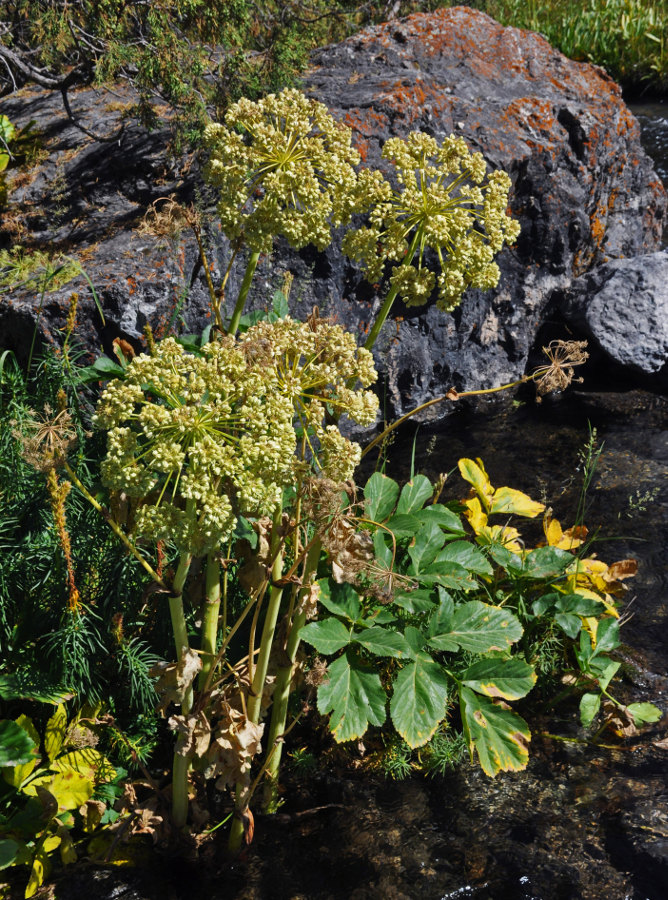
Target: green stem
391 296
281 695
181 765
243 292
254 703
210 619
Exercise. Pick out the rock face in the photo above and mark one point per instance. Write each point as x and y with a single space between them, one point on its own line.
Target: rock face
623 307
583 189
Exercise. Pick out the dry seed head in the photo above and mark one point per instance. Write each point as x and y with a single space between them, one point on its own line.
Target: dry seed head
563 356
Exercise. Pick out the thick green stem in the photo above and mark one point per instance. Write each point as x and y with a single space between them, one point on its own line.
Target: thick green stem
281 695
243 292
391 297
254 703
181 764
210 619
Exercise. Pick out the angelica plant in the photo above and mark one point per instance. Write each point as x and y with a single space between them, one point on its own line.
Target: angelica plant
284 167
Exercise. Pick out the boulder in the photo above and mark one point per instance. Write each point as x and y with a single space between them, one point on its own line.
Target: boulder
583 189
622 306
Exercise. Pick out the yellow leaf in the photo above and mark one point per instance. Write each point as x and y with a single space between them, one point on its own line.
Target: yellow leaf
552 529
41 866
505 535
68 854
604 599
88 761
507 500
474 513
474 473
56 729
70 788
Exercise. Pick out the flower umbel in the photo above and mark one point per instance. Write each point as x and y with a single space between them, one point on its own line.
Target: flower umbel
198 440
315 363
284 166
445 202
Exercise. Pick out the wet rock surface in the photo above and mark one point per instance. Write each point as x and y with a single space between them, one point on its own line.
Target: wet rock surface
584 191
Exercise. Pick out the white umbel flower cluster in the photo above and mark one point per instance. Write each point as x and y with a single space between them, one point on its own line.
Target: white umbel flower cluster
284 166
198 440
443 201
317 365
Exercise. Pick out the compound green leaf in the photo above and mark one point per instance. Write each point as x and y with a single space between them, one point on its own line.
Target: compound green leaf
448 575
354 696
569 624
382 642
404 526
644 713
500 737
507 679
340 599
479 628
415 601
589 707
419 699
9 850
414 495
381 495
30 686
17 747
425 547
326 636
442 516
607 635
545 562
384 554
466 555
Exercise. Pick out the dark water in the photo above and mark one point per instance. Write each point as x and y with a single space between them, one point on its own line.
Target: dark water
653 120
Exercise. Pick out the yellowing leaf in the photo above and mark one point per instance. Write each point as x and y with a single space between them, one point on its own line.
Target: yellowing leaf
498 734
552 529
474 513
56 729
604 599
70 788
505 535
507 500
474 473
88 761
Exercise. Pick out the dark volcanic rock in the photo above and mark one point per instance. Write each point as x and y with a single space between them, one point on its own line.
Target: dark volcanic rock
623 306
584 191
